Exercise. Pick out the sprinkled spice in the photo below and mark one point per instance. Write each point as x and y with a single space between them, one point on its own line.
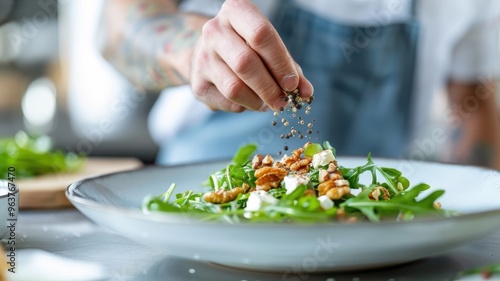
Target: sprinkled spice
296 104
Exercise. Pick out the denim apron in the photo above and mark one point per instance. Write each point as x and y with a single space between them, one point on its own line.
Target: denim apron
363 81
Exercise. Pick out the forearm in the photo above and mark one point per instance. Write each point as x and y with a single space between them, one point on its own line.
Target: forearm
149 41
479 131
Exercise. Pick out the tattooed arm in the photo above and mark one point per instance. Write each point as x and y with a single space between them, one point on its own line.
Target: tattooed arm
149 41
478 138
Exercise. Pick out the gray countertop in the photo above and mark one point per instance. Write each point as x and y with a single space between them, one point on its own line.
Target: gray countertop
68 233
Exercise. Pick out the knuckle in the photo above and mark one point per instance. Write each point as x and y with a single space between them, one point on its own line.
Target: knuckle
233 89
245 62
200 88
210 28
261 34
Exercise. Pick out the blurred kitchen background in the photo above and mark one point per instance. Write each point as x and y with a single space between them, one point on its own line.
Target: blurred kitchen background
54 82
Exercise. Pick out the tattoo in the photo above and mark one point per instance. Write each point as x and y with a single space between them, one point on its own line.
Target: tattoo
149 37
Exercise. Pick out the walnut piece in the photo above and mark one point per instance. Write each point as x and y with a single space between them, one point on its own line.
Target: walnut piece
301 165
268 161
296 163
378 191
260 161
222 196
257 161
332 184
269 177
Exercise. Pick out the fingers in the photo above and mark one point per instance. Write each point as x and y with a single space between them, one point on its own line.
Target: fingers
305 87
240 62
206 91
263 38
214 76
247 66
213 98
234 89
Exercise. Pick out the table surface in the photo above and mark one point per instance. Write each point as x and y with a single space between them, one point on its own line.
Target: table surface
68 233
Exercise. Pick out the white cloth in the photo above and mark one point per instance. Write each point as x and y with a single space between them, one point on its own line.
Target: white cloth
458 40
360 12
175 109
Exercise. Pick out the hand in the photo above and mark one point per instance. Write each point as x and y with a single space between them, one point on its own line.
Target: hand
475 108
240 62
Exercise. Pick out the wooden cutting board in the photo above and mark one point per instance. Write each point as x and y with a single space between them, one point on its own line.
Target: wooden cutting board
48 191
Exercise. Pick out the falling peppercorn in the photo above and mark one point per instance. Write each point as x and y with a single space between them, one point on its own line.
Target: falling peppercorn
296 105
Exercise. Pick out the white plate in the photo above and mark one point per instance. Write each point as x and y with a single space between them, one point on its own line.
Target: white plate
113 201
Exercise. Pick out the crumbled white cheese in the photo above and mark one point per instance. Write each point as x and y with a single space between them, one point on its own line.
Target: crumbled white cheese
322 158
325 202
259 199
293 181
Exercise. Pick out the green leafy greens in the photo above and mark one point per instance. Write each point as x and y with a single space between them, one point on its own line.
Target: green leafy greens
486 272
402 203
32 156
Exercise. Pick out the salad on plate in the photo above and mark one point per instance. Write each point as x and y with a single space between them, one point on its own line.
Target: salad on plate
309 185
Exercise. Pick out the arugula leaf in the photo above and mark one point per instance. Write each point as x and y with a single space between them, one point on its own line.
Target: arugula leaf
406 202
393 178
277 192
34 156
313 177
244 153
237 172
327 145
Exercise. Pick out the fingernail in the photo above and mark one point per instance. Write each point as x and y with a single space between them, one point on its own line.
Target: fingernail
290 82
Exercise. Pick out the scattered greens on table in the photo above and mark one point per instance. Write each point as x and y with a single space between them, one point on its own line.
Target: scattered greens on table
486 272
33 156
404 204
